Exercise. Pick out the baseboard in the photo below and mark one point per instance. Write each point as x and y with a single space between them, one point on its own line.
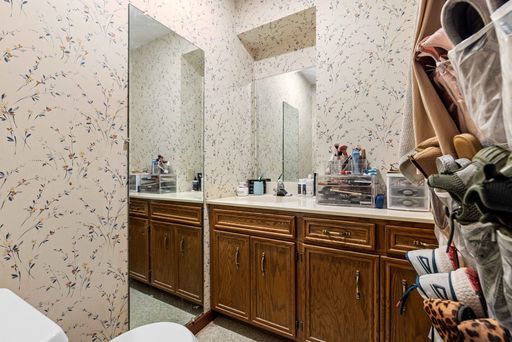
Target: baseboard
198 323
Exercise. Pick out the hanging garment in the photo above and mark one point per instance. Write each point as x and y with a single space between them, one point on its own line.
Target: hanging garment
425 115
502 19
432 54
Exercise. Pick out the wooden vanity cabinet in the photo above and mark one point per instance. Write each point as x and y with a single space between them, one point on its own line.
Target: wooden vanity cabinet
138 248
163 256
340 295
273 285
166 246
317 277
189 260
231 274
396 276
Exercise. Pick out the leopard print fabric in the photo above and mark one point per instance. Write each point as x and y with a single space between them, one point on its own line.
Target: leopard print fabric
483 330
446 316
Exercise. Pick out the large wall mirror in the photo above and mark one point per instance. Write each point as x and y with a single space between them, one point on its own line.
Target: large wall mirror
284 118
166 78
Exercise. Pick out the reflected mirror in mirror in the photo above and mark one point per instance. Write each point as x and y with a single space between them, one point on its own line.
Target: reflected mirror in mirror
284 117
166 76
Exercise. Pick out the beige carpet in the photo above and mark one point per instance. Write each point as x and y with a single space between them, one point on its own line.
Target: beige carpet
150 305
226 330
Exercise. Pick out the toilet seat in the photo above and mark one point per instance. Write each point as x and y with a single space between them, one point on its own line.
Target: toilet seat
157 332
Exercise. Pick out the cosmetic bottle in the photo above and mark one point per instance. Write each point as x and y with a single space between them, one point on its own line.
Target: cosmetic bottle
309 186
242 190
303 185
195 184
356 157
299 187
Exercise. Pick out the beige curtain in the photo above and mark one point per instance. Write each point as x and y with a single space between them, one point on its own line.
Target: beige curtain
425 115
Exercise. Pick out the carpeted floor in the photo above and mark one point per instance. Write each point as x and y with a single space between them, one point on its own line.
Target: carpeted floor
149 305
227 330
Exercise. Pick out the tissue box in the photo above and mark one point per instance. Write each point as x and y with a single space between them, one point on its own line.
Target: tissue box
404 195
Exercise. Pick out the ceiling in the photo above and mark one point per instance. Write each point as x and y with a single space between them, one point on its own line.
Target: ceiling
144 29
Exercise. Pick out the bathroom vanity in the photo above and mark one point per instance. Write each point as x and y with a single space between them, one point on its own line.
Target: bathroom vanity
310 272
166 244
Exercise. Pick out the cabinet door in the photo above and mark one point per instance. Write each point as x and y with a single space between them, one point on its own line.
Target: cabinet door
163 256
189 262
414 325
273 285
230 274
138 248
341 295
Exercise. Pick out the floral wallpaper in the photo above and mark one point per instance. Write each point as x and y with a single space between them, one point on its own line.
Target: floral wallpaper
362 57
291 33
280 64
63 214
166 107
63 94
253 13
63 99
363 52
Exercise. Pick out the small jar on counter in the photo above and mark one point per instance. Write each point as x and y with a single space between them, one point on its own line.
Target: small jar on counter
242 190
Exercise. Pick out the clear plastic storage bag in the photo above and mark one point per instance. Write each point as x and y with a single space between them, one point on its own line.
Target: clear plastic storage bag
502 20
505 244
480 240
476 61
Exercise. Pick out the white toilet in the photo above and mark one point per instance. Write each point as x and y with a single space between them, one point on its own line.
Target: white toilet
157 332
15 313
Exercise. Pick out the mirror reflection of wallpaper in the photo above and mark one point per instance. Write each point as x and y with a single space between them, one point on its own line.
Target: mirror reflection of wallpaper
270 93
290 142
166 106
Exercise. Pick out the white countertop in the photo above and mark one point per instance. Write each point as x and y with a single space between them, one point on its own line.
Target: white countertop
308 205
188 196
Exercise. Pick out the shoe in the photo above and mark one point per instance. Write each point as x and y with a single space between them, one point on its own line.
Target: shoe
461 285
461 19
427 261
457 183
483 330
446 315
466 145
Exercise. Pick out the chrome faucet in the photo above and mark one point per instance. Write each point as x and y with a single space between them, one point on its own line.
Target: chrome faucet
280 190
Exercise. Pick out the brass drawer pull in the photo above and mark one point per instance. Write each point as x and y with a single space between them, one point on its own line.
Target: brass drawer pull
263 263
423 244
182 246
342 234
404 289
358 276
237 253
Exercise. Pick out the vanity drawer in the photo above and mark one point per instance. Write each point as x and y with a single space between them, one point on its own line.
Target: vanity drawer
138 207
400 240
257 223
169 211
338 232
